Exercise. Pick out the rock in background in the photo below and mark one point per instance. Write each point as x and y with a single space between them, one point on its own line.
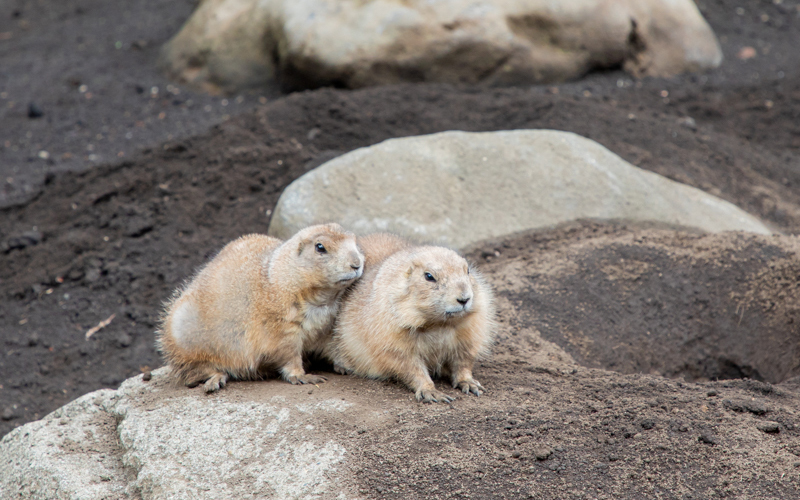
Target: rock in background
229 45
457 188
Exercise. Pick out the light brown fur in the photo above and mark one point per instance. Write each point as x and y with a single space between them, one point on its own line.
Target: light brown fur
396 323
260 304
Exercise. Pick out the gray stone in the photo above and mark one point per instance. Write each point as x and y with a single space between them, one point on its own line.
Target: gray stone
542 452
769 427
457 188
147 440
233 44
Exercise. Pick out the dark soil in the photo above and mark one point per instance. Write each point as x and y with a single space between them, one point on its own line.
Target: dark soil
79 244
691 307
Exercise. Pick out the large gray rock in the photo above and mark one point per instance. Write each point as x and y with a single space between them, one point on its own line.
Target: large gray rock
154 440
456 188
233 44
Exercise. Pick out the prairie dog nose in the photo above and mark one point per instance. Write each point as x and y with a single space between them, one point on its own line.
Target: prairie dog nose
463 299
356 261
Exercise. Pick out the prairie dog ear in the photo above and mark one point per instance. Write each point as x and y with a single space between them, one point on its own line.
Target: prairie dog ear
301 246
410 269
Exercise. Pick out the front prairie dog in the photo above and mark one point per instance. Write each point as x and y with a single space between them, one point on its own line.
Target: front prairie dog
418 310
260 304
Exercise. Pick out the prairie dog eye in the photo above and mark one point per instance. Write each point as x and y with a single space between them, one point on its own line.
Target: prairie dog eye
320 248
429 277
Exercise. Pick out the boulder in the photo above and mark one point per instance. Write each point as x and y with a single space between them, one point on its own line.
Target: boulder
234 44
457 188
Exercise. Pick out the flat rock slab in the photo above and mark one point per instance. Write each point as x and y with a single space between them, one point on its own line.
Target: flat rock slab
458 188
233 44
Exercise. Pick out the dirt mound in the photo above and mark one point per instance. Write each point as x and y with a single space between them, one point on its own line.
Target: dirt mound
118 238
656 301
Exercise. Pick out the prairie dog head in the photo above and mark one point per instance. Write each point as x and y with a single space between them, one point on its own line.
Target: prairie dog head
324 255
429 285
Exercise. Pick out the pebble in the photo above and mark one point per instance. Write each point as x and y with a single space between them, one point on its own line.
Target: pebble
9 414
542 453
147 376
754 407
648 424
688 122
34 111
708 438
769 427
711 393
124 340
746 53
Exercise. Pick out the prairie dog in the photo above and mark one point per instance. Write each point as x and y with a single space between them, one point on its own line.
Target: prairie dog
418 310
260 303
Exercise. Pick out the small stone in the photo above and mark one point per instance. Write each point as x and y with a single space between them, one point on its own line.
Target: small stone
542 453
34 111
147 376
708 438
648 424
33 339
124 340
769 427
688 122
746 53
711 393
754 407
516 454
9 414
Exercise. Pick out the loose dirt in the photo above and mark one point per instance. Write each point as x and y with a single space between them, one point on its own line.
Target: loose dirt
82 240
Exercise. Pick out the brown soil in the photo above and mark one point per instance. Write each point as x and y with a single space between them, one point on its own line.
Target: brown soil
688 307
79 244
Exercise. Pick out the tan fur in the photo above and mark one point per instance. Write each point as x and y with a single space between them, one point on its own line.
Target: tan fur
394 323
260 304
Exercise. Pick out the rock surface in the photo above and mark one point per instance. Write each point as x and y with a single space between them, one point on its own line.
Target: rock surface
457 188
547 427
234 44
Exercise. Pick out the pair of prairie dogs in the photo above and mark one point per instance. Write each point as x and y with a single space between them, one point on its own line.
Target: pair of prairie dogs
263 304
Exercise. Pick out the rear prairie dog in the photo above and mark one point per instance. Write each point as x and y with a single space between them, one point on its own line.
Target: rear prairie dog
417 311
260 304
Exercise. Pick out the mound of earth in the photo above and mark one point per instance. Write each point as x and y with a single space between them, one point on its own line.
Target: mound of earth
547 427
116 239
685 306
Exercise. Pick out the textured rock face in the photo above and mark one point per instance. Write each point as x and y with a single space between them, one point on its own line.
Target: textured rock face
146 440
233 44
457 188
